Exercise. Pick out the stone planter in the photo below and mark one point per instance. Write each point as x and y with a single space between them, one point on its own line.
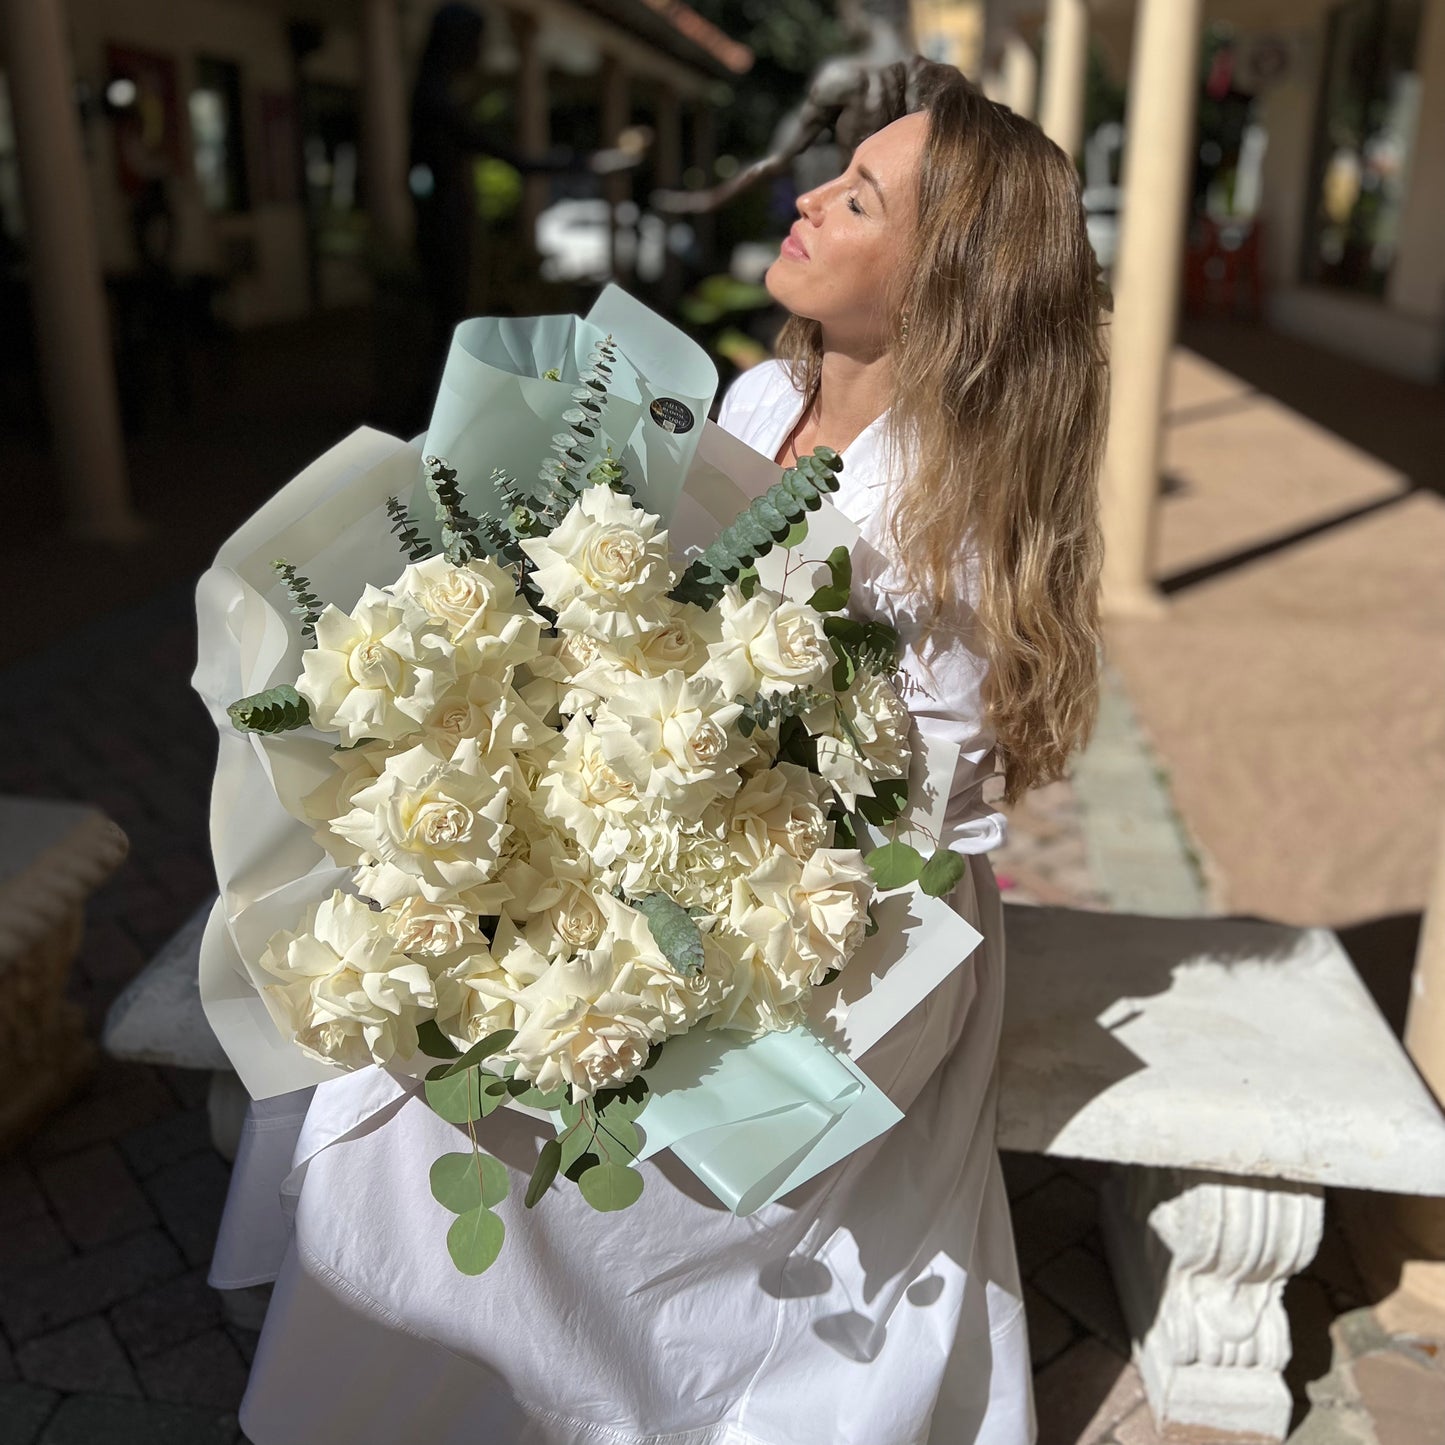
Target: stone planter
52 857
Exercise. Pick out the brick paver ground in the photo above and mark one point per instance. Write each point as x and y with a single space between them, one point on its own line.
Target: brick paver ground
108 1332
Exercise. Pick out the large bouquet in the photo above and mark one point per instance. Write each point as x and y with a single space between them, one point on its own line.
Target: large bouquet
589 822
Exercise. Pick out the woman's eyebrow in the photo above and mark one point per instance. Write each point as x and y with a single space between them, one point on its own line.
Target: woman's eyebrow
867 175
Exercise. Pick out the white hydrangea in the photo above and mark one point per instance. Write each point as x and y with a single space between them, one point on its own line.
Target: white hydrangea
350 996
376 671
478 994
605 569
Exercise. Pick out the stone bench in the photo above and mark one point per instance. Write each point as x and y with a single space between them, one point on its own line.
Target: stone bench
53 855
1229 1070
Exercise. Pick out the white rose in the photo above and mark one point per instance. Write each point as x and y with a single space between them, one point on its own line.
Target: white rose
486 708
879 726
605 569
583 793
780 807
478 605
353 769
767 645
478 994
432 930
826 899
350 996
377 671
674 738
761 997
429 825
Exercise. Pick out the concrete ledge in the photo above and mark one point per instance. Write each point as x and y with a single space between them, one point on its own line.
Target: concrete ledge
1210 1044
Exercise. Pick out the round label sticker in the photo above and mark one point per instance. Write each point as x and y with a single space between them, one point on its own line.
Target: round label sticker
671 415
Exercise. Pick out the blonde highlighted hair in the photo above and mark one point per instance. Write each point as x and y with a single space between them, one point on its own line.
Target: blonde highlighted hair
1000 398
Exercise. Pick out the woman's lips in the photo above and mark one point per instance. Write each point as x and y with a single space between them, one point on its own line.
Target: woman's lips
792 249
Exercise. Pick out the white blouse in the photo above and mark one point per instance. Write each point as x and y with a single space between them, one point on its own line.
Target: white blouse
943 672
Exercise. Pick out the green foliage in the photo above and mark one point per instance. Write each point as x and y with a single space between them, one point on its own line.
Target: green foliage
433 1042
457 1098
845 831
475 1240
277 710
894 865
674 931
890 797
459 527
548 1162
494 1043
607 1187
941 873
834 596
797 745
768 520
305 604
866 647
765 710
463 1182
412 543
618 1141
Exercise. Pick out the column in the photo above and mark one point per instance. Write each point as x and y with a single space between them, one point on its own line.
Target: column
1018 76
1066 64
616 116
1402 1245
667 172
1158 154
534 118
71 322
384 124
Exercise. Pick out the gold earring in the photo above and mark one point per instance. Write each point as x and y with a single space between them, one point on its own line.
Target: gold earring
905 326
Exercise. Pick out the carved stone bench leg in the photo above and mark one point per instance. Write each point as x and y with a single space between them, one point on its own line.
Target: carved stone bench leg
1200 1262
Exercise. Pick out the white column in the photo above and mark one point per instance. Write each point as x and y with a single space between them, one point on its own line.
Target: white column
1066 65
1018 76
534 117
616 116
383 134
1158 151
71 321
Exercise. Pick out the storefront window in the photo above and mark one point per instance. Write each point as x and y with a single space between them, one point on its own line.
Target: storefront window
1369 105
217 130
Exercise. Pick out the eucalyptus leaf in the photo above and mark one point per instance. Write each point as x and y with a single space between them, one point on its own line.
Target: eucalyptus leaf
457 1098
433 1042
895 864
673 931
484 1049
941 873
845 831
463 1182
534 1098
890 797
618 1141
548 1162
584 1162
626 1102
475 1240
607 1187
829 598
797 535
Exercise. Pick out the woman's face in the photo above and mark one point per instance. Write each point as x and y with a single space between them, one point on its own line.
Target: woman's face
844 256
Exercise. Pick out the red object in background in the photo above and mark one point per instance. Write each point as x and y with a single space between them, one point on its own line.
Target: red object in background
1223 273
149 141
1221 73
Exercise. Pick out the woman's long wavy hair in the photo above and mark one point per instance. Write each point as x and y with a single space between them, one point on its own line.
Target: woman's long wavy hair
999 410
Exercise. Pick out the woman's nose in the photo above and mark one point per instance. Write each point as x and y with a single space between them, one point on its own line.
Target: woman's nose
808 204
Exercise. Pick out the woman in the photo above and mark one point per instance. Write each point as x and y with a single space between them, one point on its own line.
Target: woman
945 339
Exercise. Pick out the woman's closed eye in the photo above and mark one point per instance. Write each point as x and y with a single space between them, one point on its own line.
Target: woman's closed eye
854 206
